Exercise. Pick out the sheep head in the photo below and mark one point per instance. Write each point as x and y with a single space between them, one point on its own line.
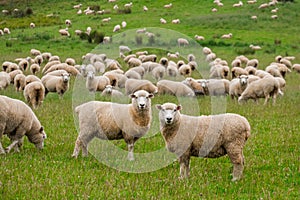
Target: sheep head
168 113
141 100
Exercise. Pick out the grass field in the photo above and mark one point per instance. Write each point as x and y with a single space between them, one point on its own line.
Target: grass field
272 169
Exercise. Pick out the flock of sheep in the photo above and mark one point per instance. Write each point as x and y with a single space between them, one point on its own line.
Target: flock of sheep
148 75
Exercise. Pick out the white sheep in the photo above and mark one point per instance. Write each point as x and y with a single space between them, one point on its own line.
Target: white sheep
111 91
23 64
106 19
68 22
164 61
237 86
185 70
151 57
206 50
64 32
194 85
134 62
215 87
32 25
70 61
96 83
38 59
121 78
145 8
253 62
162 21
34 94
46 55
132 74
182 42
296 67
263 88
31 78
251 70
19 82
158 72
35 52
6 30
176 21
174 88
124 24
57 84
211 137
255 47
24 123
133 85
168 5
54 58
124 49
239 4
238 71
219 71
173 55
5 80
128 5
227 36
117 28
127 121
199 37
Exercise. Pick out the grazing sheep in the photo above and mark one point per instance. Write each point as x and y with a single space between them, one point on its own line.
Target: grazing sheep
252 78
238 71
23 64
145 8
54 58
133 85
127 121
110 91
121 78
296 67
128 5
35 52
9 67
96 83
199 37
4 80
206 50
64 32
173 55
70 69
19 82
117 28
124 24
132 74
236 63
164 61
68 22
254 47
253 63
172 70
168 5
13 74
211 137
50 64
70 61
35 68
215 87
56 84
46 56
24 123
250 70
34 94
185 70
134 62
239 4
159 72
57 72
176 21
286 62
194 85
151 57
243 59
237 86
211 57
182 42
219 71
263 88
273 70
261 73
38 59
140 70
31 78
162 21
227 36
174 88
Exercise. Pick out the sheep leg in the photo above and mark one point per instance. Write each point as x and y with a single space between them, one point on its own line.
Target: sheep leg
184 162
274 99
267 99
78 146
12 145
130 151
1 133
237 158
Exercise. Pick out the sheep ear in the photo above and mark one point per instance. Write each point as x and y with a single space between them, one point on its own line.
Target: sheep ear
179 107
41 129
150 95
158 106
132 96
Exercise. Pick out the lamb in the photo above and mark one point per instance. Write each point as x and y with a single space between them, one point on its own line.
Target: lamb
35 68
174 88
133 85
182 42
4 80
34 93
110 91
96 83
212 136
19 82
237 86
24 123
131 122
263 88
56 84
238 71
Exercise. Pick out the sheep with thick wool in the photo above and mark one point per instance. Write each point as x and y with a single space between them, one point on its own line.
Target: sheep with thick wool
4 80
96 83
112 121
194 85
58 84
13 74
266 87
19 82
237 86
215 87
133 85
174 88
35 68
34 94
111 91
18 120
31 78
238 71
212 136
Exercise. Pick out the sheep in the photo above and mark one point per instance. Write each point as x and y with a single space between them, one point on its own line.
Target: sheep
214 10
19 82
162 21
172 70
210 57
174 88
253 63
96 83
263 88
23 64
286 62
227 36
219 71
9 66
212 136
296 67
194 85
99 67
128 5
140 70
151 57
243 59
264 5
131 74
5 80
35 52
168 5
273 70
124 24
77 6
236 63
121 78
261 73
250 70
57 72
176 21
206 50
133 85
182 42
70 61
24 123
238 71
124 49
145 8
50 64
38 59
215 87
117 28
6 30
57 84
54 58
110 91
127 121
34 94
64 32
199 37
193 65
237 86
134 62
173 55
70 69
142 30
31 78
252 78
239 4
68 22
185 70
164 61
158 72
13 74
254 17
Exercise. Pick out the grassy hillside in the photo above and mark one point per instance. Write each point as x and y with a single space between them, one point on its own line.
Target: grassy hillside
272 168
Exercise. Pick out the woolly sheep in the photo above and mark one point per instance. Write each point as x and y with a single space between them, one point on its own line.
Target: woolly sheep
23 64
151 57
168 5
206 50
124 49
210 57
121 78
236 63
182 42
110 91
199 37
50 64
185 70
13 74
134 62
18 120
219 71
194 85
159 72
273 70
176 21
127 121
263 88
215 87
131 74
253 63
239 4
164 61
237 86
140 70
172 71
34 94
117 28
10 66
64 32
56 84
174 88
96 83
227 36
31 78
124 24
35 68
250 70
133 85
54 58
162 21
173 55
255 47
70 61
211 137
19 82
57 72
261 73
35 52
238 71
286 62
252 78
38 59
70 69
296 67
4 80
243 59
99 67
68 22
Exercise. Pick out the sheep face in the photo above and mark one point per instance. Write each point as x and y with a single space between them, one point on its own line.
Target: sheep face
38 138
90 75
66 77
243 80
141 99
168 113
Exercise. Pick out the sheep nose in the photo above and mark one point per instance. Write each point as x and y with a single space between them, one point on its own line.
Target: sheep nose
169 119
142 105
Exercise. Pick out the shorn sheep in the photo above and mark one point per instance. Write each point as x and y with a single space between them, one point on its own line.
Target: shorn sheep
211 137
18 120
34 94
58 84
112 121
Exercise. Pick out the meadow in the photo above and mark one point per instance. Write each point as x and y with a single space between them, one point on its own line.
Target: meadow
272 153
